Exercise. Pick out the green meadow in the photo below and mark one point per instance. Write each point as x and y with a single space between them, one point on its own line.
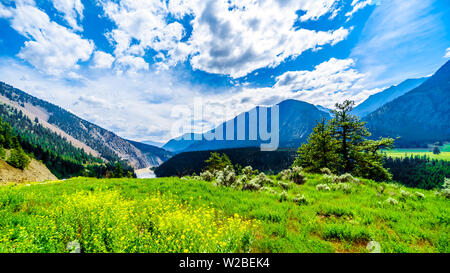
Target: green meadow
401 153
190 215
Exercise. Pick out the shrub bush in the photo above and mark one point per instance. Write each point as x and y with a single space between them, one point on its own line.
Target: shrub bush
300 200
283 196
226 177
284 185
262 179
207 176
322 187
326 171
391 201
345 187
18 159
248 171
298 177
251 186
345 178
419 195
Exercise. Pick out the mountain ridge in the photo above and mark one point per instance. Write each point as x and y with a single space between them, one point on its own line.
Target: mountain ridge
419 117
297 118
379 99
98 140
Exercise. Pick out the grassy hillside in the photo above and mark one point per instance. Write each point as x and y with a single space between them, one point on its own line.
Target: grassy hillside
187 215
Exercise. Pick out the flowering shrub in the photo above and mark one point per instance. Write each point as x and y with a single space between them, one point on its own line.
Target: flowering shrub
207 176
345 187
285 174
262 179
226 177
404 194
345 178
322 187
295 175
300 200
326 171
419 195
283 196
251 186
248 171
391 201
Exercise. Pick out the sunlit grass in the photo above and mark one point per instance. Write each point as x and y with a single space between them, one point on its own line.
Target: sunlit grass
182 215
402 153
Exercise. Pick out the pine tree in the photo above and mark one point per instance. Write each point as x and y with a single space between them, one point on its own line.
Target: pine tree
350 133
436 150
118 171
18 158
2 152
342 146
217 162
320 151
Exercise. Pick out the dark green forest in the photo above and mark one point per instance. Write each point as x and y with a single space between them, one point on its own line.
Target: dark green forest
418 171
195 162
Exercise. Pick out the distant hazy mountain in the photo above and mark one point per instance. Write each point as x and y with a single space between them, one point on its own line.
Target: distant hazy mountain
323 109
297 119
153 143
379 99
420 116
181 143
81 133
155 155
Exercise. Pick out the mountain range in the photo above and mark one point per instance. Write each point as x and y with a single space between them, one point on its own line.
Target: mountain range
379 99
80 133
296 120
416 110
419 117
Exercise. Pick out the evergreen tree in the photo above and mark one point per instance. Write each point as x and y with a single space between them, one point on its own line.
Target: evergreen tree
217 162
436 150
321 150
18 158
342 146
2 152
350 133
118 171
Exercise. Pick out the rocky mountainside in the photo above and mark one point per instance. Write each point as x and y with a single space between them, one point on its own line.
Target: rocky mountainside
418 118
81 133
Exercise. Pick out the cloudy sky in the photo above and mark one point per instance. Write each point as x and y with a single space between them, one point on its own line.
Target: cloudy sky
136 67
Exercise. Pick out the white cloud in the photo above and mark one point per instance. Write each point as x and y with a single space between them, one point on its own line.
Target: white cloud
358 5
130 64
51 47
332 75
447 53
400 40
102 60
228 37
139 106
5 12
72 11
329 82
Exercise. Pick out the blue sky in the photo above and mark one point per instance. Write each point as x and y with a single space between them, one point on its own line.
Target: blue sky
137 67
